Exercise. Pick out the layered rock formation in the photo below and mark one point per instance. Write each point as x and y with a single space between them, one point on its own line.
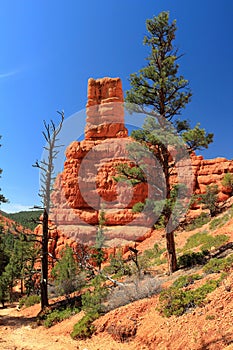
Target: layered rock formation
87 183
211 172
104 109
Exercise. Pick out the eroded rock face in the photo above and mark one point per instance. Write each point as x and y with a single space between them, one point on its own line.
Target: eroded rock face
211 172
87 183
104 109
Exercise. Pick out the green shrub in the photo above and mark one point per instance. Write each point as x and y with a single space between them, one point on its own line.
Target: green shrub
184 281
210 317
196 240
29 301
191 259
160 223
56 316
205 241
92 301
198 222
118 267
66 273
84 328
138 207
149 254
215 241
210 199
219 222
153 255
228 182
217 265
175 301
92 304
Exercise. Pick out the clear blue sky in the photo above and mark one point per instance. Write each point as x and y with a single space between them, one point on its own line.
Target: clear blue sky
49 49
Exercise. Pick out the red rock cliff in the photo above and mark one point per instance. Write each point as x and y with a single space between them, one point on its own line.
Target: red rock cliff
87 182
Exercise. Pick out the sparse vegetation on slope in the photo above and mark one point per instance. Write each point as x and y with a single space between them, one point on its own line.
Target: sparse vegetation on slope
56 316
220 221
216 265
198 222
205 241
176 301
29 301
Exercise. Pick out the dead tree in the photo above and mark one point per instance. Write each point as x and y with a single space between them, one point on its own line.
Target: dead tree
46 167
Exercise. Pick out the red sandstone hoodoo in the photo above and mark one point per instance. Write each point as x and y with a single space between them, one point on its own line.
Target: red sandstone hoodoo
87 181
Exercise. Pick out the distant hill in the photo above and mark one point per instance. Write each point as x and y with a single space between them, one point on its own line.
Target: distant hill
25 218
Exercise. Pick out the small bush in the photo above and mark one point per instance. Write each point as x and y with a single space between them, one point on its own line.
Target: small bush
29 301
198 222
219 222
84 328
210 317
217 265
160 223
196 240
205 241
66 273
92 301
138 207
214 241
210 199
92 304
59 315
228 182
192 259
118 267
153 255
184 281
175 301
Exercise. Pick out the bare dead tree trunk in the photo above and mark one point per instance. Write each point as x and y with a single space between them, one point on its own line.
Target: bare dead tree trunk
44 263
46 167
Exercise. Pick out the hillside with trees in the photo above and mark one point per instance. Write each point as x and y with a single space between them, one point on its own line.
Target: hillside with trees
28 219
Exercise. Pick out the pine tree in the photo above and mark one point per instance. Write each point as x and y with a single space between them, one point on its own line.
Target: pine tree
4 260
210 199
66 273
17 259
159 92
98 254
4 257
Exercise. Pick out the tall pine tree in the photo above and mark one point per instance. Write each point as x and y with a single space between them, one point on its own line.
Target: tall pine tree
159 92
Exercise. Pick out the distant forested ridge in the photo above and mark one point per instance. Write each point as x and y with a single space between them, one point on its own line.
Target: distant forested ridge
27 219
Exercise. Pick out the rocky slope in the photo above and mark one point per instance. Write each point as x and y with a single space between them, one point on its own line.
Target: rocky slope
138 325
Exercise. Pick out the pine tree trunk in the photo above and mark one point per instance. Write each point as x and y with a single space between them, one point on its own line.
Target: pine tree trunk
21 285
171 252
170 241
44 263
